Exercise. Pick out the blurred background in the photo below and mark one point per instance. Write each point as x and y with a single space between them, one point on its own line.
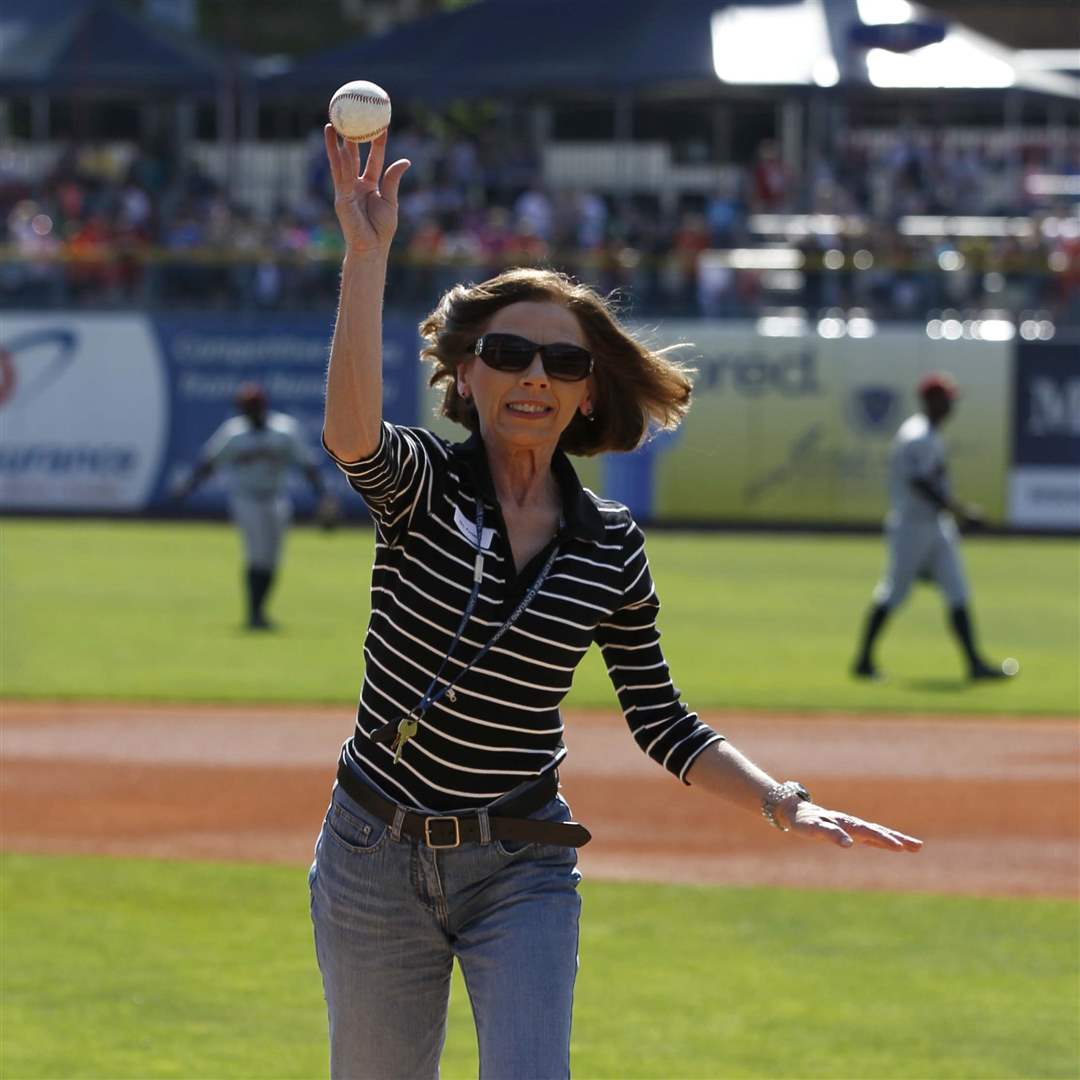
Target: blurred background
821 199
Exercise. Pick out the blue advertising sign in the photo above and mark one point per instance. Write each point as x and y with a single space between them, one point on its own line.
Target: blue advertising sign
1044 482
1046 417
208 358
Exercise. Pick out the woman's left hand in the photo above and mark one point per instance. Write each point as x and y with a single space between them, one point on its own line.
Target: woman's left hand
835 827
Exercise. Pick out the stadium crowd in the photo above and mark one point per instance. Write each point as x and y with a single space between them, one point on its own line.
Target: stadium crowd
153 228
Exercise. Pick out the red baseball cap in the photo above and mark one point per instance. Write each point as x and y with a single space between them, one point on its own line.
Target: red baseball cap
940 382
250 395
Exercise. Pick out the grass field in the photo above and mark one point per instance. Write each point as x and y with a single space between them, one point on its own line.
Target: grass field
152 611
132 968
116 968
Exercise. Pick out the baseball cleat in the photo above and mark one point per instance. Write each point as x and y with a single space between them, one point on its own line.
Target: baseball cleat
866 670
982 671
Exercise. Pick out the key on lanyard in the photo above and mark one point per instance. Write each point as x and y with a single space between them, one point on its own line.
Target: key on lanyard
406 729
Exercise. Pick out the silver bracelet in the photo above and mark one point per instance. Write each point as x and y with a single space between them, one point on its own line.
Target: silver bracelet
776 795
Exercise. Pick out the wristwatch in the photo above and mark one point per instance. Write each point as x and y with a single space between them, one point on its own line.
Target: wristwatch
776 795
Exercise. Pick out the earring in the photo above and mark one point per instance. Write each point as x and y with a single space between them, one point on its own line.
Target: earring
590 416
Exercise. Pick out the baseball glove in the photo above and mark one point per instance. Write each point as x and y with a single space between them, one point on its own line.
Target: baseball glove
328 512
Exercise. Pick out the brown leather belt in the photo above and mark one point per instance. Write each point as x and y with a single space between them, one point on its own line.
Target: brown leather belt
452 830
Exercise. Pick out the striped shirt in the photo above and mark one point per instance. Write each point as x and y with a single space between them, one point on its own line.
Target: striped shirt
502 725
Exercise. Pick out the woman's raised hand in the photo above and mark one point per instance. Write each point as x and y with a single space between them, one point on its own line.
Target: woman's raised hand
365 202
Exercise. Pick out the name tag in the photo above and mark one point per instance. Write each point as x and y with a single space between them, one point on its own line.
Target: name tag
467 529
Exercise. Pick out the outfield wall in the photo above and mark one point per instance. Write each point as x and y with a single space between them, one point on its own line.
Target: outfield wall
102 413
798 429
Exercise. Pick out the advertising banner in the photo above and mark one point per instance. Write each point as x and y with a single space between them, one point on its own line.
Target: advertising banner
105 413
208 358
1044 485
798 429
84 408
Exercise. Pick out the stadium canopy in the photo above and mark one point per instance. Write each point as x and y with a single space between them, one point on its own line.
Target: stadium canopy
61 47
515 48
522 48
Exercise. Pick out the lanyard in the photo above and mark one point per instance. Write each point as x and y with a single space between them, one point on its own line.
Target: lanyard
401 732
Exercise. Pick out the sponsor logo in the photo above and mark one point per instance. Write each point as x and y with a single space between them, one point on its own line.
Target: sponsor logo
252 349
1045 496
873 409
754 375
53 460
32 362
1053 407
799 451
1055 496
812 459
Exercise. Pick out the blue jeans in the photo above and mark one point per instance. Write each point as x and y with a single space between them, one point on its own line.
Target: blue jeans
390 915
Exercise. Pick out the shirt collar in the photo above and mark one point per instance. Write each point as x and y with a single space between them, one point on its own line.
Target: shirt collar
580 512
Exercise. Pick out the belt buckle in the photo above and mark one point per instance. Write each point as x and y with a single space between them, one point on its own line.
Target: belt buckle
456 842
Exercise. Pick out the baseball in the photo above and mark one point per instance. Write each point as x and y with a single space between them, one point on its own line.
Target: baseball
360 111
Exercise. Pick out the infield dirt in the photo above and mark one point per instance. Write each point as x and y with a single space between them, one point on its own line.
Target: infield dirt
996 800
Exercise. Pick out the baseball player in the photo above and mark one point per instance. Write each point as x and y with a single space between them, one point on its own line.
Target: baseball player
257 449
922 529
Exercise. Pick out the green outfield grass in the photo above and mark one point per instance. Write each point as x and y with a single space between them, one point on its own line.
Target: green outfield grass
96 609
136 968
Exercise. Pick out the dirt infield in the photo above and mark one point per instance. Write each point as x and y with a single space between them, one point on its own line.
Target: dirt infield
997 801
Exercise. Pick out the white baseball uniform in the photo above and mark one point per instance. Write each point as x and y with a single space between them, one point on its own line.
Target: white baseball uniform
922 538
256 462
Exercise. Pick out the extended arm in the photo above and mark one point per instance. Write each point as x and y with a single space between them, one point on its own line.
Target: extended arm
200 473
676 738
965 514
366 206
723 770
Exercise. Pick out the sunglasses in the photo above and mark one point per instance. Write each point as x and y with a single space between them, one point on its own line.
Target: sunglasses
508 352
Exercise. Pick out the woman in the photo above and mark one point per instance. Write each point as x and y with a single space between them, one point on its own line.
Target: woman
494 571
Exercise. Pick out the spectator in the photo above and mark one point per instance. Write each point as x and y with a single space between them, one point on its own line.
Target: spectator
92 273
723 212
32 277
534 213
770 184
474 202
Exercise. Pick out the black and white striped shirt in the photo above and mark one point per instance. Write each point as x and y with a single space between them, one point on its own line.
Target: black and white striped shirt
503 725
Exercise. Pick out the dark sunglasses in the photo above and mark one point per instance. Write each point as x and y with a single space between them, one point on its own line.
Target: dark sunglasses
508 352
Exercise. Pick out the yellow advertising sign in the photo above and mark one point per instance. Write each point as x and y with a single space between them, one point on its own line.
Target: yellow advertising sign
798 429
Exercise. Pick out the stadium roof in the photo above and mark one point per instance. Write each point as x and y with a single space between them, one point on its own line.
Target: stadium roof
60 46
516 48
500 48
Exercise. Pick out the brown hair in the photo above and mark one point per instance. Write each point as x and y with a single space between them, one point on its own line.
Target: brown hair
635 387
